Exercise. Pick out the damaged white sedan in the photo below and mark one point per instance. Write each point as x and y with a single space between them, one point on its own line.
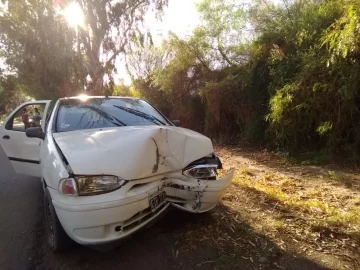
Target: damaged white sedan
110 165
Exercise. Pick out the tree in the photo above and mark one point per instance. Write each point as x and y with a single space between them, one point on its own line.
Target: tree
11 95
198 73
314 73
53 59
143 58
39 47
223 28
108 29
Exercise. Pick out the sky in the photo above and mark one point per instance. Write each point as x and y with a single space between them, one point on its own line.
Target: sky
180 17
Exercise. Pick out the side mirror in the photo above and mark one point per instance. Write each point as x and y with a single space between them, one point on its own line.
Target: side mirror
35 132
177 123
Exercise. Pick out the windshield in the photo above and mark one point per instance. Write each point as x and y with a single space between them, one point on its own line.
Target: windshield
75 114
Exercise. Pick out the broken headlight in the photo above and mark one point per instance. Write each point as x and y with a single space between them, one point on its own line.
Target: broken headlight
201 171
90 185
204 168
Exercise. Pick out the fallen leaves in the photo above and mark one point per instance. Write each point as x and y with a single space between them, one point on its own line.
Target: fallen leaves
287 206
268 216
316 210
205 262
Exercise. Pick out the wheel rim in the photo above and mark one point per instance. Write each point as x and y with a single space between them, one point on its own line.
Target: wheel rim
49 224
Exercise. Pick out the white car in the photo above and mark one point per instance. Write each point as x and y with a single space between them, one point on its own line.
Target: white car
111 165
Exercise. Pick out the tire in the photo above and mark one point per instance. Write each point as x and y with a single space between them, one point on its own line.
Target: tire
56 237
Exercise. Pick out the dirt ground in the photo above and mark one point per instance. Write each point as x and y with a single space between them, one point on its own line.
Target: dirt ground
311 212
275 215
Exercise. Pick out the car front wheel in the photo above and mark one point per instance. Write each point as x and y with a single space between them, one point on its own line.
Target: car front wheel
56 236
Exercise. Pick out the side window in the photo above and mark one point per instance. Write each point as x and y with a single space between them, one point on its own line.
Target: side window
27 116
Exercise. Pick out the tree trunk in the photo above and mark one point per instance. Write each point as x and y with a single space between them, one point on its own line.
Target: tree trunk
96 72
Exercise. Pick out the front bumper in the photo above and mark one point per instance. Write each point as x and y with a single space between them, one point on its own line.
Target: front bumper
92 220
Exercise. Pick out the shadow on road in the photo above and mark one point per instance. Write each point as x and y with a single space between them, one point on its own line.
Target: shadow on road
221 239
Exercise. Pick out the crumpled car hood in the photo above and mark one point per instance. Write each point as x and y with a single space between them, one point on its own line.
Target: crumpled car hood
132 152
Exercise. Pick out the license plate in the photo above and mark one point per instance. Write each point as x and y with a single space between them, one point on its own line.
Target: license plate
157 200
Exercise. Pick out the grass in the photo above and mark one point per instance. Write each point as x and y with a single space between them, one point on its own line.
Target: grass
333 175
246 172
311 158
278 224
313 203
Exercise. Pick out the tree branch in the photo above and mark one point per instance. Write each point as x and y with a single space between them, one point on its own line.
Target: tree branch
223 54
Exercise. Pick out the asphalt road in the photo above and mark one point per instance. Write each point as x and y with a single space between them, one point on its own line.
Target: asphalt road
20 212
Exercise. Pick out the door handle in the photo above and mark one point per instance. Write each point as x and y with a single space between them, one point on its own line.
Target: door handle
6 137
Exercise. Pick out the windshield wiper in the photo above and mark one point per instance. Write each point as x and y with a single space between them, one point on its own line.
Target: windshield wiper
107 116
141 114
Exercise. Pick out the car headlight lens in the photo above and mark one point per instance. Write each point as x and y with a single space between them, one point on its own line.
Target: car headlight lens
202 171
98 184
90 185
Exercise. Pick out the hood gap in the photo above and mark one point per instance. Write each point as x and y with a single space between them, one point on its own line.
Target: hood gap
66 162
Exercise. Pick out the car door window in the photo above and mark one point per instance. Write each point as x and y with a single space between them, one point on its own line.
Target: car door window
27 116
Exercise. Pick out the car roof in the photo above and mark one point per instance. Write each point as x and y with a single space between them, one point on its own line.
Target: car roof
90 97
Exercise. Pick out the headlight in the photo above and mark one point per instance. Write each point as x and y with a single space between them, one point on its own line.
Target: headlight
90 185
68 187
202 171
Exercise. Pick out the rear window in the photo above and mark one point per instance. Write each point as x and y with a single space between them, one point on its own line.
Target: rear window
75 114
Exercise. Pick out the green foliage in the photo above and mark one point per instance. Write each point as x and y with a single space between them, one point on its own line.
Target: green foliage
311 157
11 95
108 30
38 47
121 90
313 103
333 175
222 30
293 84
324 127
342 38
53 59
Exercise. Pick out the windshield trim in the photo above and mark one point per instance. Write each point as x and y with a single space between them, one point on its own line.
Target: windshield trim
61 102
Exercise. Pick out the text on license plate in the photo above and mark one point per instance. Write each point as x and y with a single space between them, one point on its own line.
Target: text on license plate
157 200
